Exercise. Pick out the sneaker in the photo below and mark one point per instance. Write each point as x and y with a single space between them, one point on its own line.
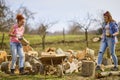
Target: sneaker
12 72
22 72
115 68
98 68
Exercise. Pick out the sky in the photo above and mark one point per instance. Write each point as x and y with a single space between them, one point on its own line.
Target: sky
64 11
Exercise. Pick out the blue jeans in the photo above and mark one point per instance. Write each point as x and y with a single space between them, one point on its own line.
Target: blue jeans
16 48
111 45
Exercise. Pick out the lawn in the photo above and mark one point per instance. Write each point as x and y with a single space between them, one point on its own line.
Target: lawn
35 42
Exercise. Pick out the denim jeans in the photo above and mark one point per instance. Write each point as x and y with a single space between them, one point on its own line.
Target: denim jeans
111 45
16 49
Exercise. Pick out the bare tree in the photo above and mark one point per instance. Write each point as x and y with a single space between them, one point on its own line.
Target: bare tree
42 30
74 28
6 16
63 35
99 31
99 21
100 18
6 19
85 25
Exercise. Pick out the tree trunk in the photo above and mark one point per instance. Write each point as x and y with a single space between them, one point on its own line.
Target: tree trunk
2 40
88 68
43 42
63 35
86 37
108 73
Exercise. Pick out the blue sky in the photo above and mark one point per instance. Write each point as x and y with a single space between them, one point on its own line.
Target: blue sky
65 10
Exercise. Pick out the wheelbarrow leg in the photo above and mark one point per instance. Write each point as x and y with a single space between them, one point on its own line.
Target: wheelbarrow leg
45 72
52 62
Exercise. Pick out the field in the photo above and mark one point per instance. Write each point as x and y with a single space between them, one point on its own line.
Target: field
41 77
55 41
52 41
73 76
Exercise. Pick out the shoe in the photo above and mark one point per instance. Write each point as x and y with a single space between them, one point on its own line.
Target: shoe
115 68
22 72
12 72
98 68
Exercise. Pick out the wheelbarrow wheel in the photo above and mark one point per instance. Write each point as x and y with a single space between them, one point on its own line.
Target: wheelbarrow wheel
59 71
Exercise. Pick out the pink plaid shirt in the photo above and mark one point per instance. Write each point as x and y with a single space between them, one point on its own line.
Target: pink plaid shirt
16 31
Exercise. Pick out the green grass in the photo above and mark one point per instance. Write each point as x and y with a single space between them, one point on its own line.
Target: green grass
35 41
4 76
74 76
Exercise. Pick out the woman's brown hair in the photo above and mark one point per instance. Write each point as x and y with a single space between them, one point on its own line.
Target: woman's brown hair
19 17
107 13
